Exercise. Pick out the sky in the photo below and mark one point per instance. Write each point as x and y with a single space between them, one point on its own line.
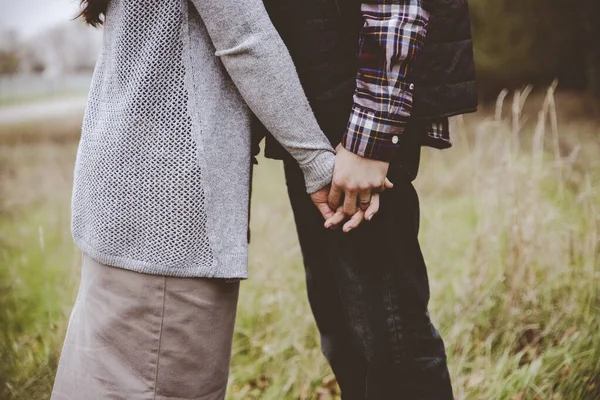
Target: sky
31 16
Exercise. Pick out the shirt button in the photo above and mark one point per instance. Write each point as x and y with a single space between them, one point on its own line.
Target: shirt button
411 86
395 140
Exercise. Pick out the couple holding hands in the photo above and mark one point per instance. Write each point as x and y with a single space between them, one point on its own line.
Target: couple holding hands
183 92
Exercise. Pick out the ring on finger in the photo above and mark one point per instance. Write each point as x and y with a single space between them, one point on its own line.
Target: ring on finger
364 204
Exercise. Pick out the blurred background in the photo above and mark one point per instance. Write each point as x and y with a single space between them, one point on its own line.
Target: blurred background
511 215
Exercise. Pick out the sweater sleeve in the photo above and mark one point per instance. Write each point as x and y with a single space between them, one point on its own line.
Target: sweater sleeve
260 66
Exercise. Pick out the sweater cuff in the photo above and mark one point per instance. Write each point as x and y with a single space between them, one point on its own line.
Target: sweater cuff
318 173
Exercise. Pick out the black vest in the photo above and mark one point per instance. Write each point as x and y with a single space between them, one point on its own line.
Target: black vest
322 37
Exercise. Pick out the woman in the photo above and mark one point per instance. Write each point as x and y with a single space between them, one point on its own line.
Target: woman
161 192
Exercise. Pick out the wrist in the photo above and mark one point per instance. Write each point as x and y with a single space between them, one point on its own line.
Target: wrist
318 173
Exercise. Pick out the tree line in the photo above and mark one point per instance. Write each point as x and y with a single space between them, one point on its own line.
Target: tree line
536 41
517 42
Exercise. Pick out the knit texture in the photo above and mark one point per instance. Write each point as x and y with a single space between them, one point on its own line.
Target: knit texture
163 168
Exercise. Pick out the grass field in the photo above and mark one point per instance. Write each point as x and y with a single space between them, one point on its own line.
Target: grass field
511 233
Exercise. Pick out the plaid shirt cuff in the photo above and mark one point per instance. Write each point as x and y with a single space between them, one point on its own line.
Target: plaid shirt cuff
372 135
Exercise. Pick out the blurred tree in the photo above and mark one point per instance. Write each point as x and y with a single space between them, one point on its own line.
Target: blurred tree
9 62
61 49
536 41
590 15
10 59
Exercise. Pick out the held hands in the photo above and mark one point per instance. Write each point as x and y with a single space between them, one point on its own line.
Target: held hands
357 181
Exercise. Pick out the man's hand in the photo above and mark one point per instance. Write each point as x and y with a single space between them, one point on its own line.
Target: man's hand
357 178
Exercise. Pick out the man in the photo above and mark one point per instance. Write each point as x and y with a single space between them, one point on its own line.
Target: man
368 285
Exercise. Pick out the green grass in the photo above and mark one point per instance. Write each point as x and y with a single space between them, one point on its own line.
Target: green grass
510 231
37 277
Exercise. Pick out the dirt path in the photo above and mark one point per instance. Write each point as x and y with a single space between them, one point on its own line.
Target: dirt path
39 110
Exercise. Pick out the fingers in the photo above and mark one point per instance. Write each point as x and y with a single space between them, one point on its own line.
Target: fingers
361 215
355 221
319 199
357 218
350 207
335 197
336 218
373 207
364 199
386 185
325 210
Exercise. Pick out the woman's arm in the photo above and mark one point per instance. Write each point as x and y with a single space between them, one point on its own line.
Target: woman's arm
259 64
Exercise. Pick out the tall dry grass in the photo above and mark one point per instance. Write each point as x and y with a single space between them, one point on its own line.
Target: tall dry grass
510 232
518 296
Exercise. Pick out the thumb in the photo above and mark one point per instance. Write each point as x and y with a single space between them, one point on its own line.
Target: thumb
325 211
388 184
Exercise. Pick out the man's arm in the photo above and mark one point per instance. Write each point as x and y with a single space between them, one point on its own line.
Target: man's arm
391 38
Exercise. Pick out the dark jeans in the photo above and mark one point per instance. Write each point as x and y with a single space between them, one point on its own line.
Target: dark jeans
369 293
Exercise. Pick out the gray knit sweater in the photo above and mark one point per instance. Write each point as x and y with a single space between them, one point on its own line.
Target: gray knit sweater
163 168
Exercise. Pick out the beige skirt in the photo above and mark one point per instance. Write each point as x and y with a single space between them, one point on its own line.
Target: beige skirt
134 336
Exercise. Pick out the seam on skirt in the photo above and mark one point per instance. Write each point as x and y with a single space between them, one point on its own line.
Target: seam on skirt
162 319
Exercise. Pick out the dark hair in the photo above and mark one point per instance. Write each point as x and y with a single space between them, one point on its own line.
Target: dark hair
93 10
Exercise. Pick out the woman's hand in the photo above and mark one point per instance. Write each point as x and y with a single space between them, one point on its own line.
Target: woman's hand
333 218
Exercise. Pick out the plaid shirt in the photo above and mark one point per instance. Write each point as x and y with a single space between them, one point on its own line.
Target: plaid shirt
392 35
